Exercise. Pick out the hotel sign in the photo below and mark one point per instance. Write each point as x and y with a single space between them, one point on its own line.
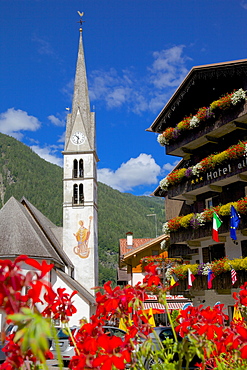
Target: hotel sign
230 168
226 170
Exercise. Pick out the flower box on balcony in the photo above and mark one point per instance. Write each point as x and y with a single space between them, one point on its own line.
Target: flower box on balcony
216 176
222 283
217 127
189 234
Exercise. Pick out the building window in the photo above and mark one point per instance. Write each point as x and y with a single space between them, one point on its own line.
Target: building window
78 169
209 203
81 169
81 194
213 252
244 248
155 253
78 194
245 190
75 194
75 171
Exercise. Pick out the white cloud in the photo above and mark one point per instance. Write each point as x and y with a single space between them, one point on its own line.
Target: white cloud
48 154
137 171
62 138
13 121
118 97
148 93
168 69
169 166
56 121
243 3
114 89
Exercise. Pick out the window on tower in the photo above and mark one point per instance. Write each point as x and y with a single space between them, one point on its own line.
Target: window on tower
75 194
81 169
81 194
75 169
78 169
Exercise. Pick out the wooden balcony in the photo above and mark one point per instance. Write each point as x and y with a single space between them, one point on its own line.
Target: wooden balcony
209 131
221 283
187 235
213 180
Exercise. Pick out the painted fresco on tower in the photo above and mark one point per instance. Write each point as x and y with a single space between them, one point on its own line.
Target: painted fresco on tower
82 237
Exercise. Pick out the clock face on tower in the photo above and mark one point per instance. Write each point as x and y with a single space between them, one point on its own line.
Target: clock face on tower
78 138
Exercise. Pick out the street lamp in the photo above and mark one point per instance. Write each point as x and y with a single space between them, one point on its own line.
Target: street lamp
155 220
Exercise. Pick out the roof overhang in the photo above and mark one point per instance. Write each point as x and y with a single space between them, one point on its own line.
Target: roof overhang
133 257
200 87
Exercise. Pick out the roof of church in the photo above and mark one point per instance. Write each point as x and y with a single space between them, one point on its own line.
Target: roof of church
29 233
84 293
53 232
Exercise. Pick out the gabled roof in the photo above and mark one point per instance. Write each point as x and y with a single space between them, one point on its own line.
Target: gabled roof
200 87
141 251
124 248
52 232
144 246
21 234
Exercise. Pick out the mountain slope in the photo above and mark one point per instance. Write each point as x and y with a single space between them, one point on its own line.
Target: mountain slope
24 173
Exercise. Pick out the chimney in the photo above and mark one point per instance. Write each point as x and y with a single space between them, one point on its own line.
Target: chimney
129 237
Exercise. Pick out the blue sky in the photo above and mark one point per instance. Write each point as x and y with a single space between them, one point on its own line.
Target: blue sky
137 53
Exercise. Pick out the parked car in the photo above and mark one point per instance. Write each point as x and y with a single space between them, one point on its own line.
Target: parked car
158 336
66 346
9 330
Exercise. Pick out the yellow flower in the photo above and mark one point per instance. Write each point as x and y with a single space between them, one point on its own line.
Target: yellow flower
225 210
214 104
220 157
185 220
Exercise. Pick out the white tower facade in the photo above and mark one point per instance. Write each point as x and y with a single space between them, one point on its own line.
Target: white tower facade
80 216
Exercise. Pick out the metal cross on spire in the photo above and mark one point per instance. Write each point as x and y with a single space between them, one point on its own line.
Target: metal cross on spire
81 15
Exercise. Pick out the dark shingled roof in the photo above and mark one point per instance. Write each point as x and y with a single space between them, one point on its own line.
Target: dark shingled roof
53 232
20 234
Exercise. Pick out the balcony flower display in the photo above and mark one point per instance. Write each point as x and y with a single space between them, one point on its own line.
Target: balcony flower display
196 220
208 163
202 115
159 259
218 267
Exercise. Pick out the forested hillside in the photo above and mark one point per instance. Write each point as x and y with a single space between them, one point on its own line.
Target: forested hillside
24 173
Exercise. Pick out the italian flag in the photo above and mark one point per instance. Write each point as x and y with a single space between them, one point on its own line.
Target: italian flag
216 225
191 278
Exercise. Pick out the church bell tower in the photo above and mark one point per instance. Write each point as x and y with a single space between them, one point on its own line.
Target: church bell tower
80 220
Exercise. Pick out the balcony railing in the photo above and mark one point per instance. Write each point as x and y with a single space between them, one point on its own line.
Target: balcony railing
212 180
184 235
221 283
213 129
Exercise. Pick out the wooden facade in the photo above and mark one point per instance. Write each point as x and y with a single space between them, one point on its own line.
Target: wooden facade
225 183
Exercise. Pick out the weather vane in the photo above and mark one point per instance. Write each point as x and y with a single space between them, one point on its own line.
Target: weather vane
81 15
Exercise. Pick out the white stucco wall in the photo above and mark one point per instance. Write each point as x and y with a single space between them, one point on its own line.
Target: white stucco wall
86 267
82 306
136 277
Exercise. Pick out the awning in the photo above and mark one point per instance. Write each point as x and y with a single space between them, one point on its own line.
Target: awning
159 306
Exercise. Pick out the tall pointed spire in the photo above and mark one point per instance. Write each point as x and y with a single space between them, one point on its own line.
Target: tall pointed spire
81 101
80 210
80 98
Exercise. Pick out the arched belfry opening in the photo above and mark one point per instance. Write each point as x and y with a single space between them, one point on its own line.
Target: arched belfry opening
81 168
81 194
78 169
75 194
75 169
